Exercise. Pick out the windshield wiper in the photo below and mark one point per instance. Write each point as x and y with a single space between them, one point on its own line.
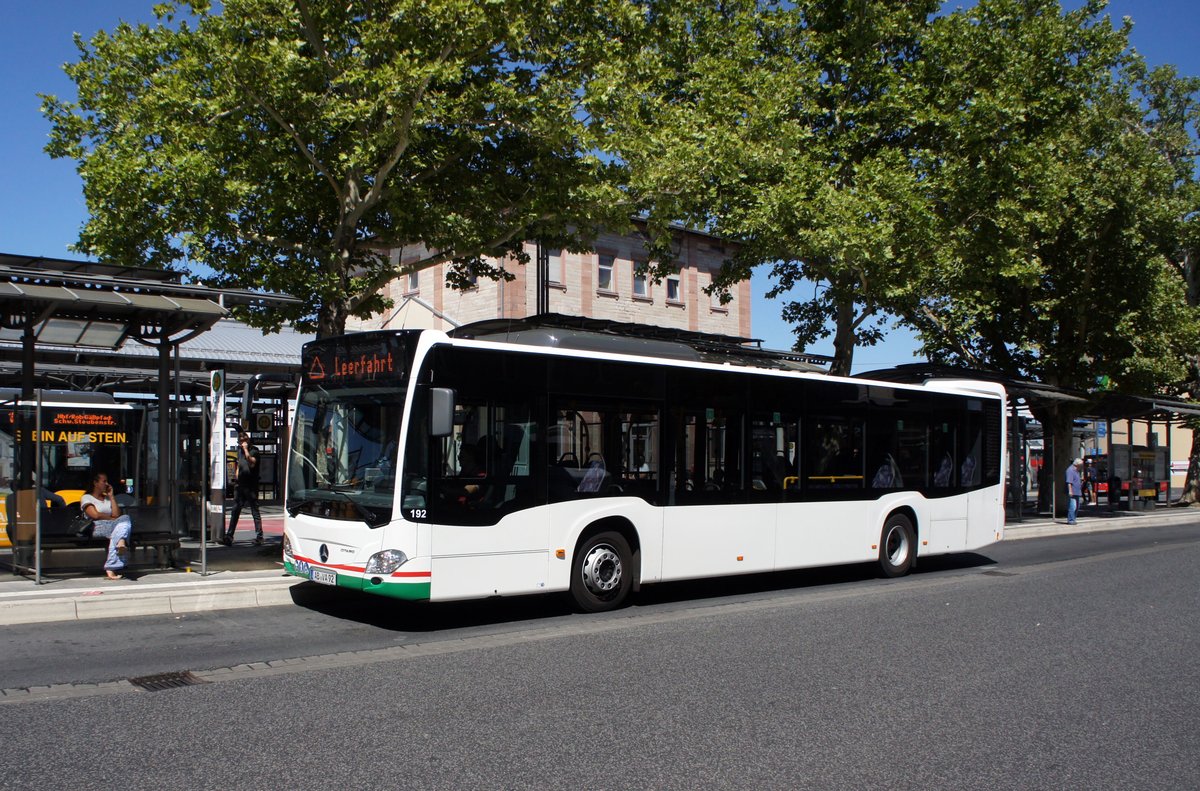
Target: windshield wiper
369 517
294 508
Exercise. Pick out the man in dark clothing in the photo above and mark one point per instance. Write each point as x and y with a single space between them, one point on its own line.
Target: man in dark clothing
246 490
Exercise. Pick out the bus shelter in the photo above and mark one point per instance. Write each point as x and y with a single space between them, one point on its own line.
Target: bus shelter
67 321
1136 475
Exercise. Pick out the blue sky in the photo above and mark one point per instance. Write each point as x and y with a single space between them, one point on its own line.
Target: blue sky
41 203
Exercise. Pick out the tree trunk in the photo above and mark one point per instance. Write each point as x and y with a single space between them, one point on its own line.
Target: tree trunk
1057 425
331 319
844 339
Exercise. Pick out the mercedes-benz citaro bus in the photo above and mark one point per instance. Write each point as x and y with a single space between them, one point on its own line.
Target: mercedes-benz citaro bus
589 457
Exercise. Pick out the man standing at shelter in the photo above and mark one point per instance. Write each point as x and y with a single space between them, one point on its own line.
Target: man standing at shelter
246 490
1074 489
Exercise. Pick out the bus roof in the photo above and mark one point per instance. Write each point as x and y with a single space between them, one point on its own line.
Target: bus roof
557 331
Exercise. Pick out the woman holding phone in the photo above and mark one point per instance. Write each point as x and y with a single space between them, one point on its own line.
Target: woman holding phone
102 508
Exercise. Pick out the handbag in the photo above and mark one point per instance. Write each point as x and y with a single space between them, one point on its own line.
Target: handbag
82 526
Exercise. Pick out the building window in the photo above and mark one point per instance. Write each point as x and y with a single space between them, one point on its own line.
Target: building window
674 294
549 261
641 285
715 303
604 274
412 283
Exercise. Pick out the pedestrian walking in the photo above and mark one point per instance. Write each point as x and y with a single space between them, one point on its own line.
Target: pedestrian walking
1074 489
245 489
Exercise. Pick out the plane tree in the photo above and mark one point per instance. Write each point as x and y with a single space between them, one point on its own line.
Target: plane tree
1052 205
1172 122
309 147
787 128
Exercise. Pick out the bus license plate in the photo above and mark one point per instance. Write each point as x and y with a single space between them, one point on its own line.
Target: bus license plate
323 576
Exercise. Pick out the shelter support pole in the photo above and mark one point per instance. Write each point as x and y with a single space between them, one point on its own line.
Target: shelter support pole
1170 468
1048 441
178 522
164 426
1016 467
28 345
203 493
1108 441
28 453
1132 466
37 496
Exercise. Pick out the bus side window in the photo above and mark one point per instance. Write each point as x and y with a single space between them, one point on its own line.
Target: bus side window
772 436
834 453
972 445
942 454
606 450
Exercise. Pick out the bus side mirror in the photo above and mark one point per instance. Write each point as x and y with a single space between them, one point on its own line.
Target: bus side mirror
441 411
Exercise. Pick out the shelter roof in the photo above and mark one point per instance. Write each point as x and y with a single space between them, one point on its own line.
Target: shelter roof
1119 406
241 349
134 302
83 314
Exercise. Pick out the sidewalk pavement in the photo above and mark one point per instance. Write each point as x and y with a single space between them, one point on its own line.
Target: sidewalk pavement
74 587
245 575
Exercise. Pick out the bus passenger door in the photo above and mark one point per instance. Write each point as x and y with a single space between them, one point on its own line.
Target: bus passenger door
491 531
716 521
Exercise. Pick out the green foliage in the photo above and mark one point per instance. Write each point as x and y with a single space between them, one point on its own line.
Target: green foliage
788 129
1172 122
1052 203
291 145
1008 178
986 175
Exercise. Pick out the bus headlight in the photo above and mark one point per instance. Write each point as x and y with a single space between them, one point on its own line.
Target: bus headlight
386 562
287 545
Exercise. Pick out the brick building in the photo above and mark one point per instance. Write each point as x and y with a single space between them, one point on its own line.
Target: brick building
600 284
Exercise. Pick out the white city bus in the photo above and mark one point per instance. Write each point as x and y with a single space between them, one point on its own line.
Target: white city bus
515 458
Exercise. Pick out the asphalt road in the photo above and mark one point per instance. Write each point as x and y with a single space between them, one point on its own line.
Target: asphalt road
1046 663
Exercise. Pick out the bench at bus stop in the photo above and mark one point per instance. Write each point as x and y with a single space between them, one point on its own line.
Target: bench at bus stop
151 531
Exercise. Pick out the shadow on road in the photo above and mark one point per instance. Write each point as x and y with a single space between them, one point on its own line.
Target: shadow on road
393 615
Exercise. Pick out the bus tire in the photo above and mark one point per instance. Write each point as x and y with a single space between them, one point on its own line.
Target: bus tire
897 546
602 572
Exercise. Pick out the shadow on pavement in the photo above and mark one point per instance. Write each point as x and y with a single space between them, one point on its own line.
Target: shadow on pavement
401 616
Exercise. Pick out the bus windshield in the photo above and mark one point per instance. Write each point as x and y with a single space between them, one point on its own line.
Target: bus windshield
343 459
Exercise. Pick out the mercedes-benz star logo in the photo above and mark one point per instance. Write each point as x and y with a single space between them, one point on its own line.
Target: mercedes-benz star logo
324 554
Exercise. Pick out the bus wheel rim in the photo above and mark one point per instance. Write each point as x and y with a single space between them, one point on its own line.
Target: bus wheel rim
602 569
897 545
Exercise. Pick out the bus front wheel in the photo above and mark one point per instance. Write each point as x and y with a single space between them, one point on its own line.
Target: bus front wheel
603 573
897 545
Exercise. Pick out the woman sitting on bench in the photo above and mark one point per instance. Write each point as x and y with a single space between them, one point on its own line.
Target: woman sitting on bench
102 508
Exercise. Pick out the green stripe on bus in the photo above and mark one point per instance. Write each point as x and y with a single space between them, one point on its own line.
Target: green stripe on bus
409 591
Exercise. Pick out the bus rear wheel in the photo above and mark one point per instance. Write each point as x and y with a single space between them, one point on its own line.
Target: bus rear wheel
602 573
897 545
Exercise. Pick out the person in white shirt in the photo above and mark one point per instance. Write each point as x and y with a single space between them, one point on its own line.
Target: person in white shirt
102 508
